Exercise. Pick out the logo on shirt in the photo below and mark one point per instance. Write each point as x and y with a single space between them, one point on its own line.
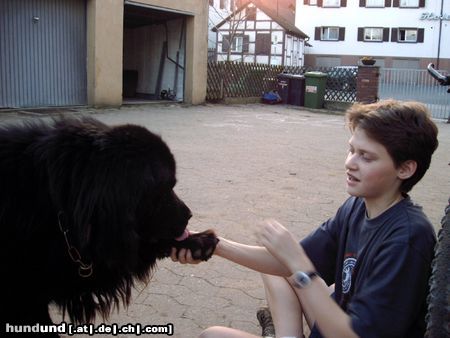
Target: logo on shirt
347 269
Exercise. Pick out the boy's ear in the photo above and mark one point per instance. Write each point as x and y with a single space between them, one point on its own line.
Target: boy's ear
407 169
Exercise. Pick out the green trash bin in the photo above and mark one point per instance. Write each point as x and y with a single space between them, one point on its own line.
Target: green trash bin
315 83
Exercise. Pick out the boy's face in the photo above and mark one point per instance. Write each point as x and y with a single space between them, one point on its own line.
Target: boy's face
371 172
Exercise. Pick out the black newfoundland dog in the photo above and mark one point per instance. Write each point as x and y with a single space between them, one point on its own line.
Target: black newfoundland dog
85 210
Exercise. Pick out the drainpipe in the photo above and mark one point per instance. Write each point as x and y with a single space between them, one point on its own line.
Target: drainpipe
440 33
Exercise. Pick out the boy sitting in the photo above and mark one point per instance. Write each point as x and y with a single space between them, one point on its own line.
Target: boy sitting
376 251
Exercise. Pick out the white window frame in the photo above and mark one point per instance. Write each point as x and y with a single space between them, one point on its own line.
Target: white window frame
237 44
409 3
371 32
331 3
312 2
413 31
375 3
325 33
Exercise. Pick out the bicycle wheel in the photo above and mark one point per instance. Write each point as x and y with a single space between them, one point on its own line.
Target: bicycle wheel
438 316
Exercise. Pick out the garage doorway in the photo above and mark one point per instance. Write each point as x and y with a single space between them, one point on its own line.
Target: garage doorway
154 50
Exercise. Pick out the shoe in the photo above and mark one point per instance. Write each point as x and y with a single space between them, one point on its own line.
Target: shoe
265 320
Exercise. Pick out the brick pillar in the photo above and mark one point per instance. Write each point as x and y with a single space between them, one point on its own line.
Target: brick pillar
367 84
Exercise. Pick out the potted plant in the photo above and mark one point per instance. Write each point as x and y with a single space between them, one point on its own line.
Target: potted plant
368 61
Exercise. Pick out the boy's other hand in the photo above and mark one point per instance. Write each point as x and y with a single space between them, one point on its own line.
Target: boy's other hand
282 245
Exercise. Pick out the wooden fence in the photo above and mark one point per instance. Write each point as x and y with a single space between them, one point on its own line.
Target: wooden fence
238 79
230 79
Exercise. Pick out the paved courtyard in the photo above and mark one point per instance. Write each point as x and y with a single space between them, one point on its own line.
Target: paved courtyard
237 165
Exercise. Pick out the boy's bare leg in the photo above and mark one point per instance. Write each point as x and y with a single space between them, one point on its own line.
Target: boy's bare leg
284 306
225 332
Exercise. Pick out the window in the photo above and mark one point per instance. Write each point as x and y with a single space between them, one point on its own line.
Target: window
236 45
408 35
409 3
331 3
239 44
327 3
329 33
373 34
375 3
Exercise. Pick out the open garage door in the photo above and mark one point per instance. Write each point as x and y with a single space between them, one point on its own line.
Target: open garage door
42 53
153 53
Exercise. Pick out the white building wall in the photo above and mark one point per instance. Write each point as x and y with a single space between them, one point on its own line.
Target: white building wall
352 16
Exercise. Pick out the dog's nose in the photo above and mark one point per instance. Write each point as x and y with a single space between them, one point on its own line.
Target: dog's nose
189 213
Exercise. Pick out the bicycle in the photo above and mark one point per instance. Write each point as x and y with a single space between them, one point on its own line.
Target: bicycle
438 316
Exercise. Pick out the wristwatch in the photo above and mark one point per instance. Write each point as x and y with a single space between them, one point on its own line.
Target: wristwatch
303 279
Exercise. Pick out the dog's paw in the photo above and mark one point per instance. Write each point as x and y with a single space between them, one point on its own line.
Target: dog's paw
201 245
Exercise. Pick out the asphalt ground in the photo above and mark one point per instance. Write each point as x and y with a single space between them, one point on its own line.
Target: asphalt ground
236 166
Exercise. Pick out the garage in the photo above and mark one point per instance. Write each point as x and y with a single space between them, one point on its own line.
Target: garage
42 53
154 50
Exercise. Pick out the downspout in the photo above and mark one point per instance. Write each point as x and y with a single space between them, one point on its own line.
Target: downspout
441 17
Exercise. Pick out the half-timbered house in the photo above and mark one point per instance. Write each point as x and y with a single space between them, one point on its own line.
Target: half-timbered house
257 33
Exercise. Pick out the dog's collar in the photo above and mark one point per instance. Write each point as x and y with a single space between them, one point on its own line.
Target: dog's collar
84 270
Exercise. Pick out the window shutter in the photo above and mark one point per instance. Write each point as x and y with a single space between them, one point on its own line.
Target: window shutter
225 43
263 44
246 43
343 3
396 3
341 33
306 2
362 3
385 34
420 34
319 3
387 3
394 34
317 33
360 34
421 3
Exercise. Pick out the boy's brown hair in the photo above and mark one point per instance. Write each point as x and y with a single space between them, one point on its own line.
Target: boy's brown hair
405 129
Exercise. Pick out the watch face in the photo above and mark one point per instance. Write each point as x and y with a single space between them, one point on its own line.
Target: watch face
302 279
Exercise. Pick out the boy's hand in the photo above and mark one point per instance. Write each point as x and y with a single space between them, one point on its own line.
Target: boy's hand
195 248
201 245
283 246
184 256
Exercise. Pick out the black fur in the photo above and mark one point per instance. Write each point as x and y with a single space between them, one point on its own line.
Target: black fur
111 189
